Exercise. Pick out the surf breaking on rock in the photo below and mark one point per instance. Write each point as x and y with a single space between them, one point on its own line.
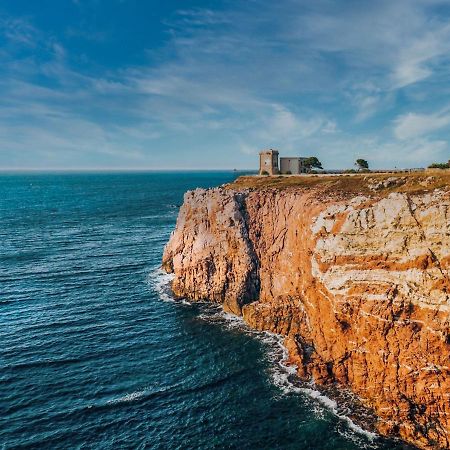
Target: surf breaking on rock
281 373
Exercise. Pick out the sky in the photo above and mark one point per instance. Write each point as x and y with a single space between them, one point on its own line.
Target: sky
207 84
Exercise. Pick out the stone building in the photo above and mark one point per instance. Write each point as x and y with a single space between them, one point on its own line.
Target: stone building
268 162
293 165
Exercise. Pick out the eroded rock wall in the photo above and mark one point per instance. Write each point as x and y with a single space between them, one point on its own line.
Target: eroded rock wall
210 251
358 285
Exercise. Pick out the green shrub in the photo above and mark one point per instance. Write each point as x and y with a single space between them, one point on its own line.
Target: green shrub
288 172
264 172
439 166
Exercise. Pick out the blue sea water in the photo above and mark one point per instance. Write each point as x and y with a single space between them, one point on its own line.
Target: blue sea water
95 354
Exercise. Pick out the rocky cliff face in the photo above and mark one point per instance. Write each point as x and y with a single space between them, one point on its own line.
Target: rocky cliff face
358 284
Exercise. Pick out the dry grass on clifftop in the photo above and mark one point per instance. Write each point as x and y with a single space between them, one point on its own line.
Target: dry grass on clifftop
368 183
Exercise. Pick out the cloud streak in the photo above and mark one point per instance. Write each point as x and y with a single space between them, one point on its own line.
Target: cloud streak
414 125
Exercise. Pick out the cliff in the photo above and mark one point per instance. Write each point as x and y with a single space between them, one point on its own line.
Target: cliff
354 271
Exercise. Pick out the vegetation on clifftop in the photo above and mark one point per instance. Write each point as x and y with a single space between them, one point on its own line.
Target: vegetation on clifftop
364 183
439 166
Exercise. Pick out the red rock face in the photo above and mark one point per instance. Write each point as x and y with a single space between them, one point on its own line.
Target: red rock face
359 286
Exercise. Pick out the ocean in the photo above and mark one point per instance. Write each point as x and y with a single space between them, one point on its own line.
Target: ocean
96 354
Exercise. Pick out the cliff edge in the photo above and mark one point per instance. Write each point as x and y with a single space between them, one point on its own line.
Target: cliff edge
353 271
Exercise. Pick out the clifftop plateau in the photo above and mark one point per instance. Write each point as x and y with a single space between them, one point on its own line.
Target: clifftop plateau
352 270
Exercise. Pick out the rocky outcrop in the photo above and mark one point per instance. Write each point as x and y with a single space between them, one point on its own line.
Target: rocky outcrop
358 284
212 252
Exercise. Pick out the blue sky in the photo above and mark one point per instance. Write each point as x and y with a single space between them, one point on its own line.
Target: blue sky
144 84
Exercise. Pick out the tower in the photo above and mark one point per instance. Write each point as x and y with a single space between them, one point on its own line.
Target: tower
268 162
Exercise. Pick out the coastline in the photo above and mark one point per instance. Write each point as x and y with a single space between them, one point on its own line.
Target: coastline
238 240
341 403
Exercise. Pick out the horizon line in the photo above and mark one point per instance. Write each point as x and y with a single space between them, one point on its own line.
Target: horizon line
108 169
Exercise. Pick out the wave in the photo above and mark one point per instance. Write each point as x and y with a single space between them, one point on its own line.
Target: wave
146 393
160 282
282 374
127 398
177 390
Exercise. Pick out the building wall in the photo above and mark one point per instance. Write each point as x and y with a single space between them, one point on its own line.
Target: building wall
289 165
268 162
292 164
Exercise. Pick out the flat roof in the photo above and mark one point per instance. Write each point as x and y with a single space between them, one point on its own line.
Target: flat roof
293 157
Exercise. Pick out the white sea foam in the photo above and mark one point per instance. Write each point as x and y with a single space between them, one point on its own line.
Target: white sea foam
231 320
160 282
281 372
132 396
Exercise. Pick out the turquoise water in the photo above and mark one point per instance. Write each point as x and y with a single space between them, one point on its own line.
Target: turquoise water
95 354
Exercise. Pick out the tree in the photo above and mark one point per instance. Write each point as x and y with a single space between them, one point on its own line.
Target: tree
439 166
311 162
362 164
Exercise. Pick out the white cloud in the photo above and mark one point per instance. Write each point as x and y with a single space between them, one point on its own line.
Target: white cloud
367 105
19 31
329 127
341 151
416 58
413 153
413 125
248 149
